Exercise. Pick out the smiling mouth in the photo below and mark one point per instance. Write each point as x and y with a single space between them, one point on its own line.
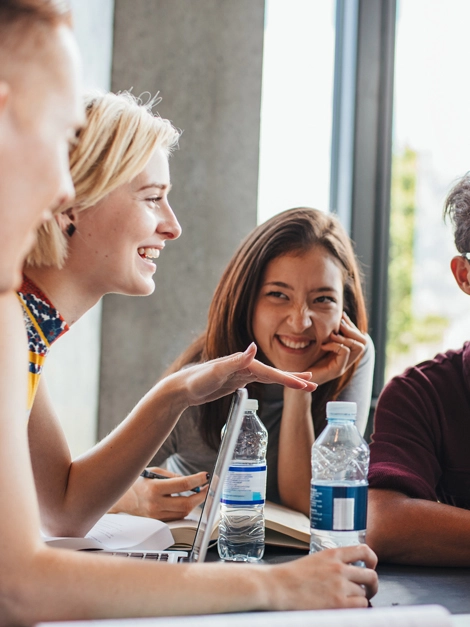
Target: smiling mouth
294 344
149 253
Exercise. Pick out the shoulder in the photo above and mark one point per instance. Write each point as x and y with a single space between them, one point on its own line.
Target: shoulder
444 373
426 398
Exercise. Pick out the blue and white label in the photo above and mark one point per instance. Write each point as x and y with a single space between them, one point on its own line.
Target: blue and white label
245 485
338 508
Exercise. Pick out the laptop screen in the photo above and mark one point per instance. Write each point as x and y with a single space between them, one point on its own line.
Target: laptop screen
214 492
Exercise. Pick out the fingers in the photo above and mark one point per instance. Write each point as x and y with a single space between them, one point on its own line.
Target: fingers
358 553
338 346
176 484
349 329
326 580
365 579
210 380
267 374
178 507
158 501
162 471
354 347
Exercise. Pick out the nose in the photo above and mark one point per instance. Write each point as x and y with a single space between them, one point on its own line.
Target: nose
300 318
63 199
66 189
169 227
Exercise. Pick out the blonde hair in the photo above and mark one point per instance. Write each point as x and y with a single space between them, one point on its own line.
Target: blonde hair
120 136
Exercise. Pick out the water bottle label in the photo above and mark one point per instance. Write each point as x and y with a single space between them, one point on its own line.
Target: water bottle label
338 508
245 485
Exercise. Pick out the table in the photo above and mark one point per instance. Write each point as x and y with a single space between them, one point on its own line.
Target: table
402 585
421 585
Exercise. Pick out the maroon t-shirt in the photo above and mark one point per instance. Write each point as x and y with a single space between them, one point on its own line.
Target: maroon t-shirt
421 440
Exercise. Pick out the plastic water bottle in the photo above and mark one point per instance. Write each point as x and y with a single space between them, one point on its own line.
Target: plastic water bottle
338 498
241 528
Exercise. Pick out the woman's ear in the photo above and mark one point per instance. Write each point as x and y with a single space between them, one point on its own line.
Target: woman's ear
67 221
460 267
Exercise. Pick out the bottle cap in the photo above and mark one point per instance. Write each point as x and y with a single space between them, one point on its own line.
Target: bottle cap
251 404
341 409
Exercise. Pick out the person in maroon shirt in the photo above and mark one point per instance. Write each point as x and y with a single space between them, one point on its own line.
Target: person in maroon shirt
419 499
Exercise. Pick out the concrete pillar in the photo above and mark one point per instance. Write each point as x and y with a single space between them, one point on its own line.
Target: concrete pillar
204 57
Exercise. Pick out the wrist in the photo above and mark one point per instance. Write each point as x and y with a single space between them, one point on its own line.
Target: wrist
170 394
298 400
262 581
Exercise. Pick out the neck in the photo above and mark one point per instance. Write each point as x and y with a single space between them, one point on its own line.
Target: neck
70 294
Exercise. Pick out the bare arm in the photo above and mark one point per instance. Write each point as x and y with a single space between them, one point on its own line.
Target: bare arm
74 494
405 530
295 443
42 584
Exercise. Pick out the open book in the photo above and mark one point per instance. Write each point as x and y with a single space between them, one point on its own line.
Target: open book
120 531
284 527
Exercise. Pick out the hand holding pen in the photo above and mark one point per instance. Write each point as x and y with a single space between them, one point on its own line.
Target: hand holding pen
149 474
162 499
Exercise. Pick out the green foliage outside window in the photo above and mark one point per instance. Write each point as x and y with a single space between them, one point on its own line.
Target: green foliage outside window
403 328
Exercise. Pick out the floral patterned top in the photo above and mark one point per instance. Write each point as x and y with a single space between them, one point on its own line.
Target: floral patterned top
44 325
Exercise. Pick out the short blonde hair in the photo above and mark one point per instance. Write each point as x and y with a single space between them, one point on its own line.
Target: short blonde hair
120 136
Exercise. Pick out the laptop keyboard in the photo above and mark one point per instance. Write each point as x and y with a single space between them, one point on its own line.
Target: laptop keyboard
157 556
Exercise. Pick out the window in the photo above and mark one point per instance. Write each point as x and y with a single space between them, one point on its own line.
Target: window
296 107
431 149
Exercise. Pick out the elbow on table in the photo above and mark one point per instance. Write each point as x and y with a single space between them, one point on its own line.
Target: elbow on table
66 525
384 529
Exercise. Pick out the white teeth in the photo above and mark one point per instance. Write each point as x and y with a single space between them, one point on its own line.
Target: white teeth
292 344
149 253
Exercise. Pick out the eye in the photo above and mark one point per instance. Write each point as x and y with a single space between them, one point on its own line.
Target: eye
154 199
325 299
275 294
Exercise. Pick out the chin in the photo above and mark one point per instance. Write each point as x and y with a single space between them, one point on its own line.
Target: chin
296 364
144 288
10 279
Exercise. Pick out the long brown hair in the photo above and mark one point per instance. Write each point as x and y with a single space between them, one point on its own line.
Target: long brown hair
229 327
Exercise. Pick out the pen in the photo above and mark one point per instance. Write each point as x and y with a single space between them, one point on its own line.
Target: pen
149 474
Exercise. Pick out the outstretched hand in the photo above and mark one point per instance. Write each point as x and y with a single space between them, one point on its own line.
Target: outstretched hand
342 350
216 378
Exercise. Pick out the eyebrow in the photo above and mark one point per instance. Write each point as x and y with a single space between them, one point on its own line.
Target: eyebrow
289 287
158 185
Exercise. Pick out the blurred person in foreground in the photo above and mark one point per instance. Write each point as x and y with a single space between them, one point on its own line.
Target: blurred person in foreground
40 113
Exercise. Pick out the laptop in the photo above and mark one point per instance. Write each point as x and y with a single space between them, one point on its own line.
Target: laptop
210 508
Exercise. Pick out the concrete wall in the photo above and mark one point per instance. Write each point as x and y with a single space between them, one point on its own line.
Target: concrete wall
72 368
205 59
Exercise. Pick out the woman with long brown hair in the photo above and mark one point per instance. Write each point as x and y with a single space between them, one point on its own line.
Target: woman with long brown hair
293 286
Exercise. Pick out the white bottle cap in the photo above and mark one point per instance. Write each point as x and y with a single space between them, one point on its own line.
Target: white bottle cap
341 409
251 404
